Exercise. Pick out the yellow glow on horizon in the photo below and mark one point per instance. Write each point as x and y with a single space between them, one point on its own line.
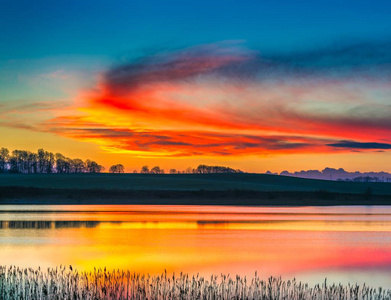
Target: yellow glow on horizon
24 139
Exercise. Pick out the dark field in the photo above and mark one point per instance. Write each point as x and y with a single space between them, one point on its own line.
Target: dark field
218 189
188 182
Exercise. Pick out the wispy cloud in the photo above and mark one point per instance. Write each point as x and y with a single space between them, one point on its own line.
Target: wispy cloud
188 143
23 106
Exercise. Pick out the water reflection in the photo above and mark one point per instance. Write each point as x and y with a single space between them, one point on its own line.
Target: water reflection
348 244
286 225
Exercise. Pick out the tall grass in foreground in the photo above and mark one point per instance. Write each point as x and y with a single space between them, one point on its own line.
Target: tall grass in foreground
64 283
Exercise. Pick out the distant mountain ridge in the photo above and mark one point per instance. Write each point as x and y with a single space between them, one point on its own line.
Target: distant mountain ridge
338 174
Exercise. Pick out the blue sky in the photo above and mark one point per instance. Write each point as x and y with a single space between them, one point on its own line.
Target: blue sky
84 36
32 29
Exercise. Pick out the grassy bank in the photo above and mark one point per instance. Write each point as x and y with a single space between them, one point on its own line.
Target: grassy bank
64 283
188 182
217 189
28 195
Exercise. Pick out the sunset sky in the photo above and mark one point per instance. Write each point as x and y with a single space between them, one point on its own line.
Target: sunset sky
255 85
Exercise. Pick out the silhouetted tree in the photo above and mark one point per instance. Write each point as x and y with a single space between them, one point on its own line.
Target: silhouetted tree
18 161
157 170
31 162
144 170
63 164
78 166
204 169
117 169
188 170
173 171
43 161
50 162
93 167
4 159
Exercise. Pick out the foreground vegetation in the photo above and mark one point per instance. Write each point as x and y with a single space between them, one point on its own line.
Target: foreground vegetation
65 283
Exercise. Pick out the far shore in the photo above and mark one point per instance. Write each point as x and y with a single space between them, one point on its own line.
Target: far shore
48 196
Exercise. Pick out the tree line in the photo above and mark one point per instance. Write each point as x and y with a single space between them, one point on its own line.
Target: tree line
44 162
365 179
201 169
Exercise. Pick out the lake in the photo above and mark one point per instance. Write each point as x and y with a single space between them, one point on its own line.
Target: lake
344 244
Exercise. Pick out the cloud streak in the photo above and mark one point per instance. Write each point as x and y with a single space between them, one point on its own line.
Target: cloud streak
357 145
188 143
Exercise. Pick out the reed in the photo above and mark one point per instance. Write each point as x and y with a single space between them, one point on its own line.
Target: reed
65 283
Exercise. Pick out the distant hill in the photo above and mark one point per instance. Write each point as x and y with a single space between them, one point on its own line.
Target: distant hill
338 174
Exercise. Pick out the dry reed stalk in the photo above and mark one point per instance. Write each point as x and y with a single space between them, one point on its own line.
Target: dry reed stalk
63 283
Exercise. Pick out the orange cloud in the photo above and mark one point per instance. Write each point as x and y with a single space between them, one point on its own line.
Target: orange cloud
218 101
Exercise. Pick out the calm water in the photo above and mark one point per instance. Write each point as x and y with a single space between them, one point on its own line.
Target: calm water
344 244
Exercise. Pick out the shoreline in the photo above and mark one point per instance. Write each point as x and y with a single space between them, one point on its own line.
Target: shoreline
16 195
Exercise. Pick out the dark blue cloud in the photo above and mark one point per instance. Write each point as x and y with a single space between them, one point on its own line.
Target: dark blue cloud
231 61
358 145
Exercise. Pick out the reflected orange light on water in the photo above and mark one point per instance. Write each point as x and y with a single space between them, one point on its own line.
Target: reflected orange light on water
205 240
